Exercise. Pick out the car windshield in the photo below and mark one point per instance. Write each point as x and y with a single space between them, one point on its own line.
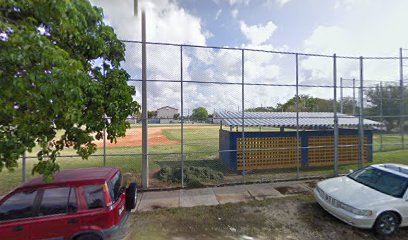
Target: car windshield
382 181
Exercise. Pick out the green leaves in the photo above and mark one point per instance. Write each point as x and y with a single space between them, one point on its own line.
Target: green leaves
200 113
48 82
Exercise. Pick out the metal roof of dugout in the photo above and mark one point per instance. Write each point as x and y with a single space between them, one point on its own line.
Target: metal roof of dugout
288 119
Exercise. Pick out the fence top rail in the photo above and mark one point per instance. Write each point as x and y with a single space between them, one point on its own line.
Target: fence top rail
265 51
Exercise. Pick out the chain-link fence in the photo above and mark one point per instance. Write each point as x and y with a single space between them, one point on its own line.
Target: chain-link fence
225 115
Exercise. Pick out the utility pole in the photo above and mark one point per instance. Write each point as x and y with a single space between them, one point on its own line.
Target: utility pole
335 117
341 96
402 112
297 119
361 116
354 96
145 160
381 115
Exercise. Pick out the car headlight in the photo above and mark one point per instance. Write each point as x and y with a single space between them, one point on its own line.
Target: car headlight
365 213
319 190
355 211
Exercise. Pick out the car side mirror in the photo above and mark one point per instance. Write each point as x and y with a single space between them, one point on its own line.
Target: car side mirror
351 171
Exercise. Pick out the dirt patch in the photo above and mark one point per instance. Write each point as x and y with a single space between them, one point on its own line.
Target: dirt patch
291 190
156 207
311 185
296 217
155 137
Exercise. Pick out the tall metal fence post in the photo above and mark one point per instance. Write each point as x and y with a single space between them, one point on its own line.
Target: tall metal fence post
243 113
182 116
354 96
361 115
24 168
335 119
341 96
145 160
104 145
402 112
297 119
381 116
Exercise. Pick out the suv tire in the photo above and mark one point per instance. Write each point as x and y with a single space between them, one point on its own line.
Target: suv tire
386 224
131 196
88 236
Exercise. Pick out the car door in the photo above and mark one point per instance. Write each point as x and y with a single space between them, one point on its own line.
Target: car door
56 214
93 212
16 212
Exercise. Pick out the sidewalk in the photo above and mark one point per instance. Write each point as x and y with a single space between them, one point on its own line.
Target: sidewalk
148 201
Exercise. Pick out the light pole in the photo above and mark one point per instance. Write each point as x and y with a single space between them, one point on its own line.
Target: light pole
145 157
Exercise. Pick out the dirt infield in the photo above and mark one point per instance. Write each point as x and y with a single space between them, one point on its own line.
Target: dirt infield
133 137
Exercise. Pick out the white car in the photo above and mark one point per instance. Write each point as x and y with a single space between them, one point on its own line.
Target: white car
373 197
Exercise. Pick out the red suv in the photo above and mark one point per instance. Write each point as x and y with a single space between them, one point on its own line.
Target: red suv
79 204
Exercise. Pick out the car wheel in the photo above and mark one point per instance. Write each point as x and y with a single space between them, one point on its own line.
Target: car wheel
88 237
386 224
131 196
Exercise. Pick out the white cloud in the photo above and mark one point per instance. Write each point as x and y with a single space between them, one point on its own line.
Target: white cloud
348 5
165 21
217 15
208 34
238 2
376 32
328 40
234 12
282 2
258 34
168 22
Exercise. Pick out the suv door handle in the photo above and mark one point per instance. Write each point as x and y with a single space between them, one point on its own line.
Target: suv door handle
18 229
73 220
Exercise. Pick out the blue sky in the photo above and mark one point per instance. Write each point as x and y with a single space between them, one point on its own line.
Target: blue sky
296 20
344 27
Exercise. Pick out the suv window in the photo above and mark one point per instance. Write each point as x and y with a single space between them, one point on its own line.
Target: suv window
19 205
72 202
115 186
94 196
57 201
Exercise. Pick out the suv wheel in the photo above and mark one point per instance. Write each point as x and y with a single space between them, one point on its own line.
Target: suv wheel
88 237
131 196
386 224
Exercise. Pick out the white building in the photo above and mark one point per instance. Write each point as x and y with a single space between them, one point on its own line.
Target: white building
166 114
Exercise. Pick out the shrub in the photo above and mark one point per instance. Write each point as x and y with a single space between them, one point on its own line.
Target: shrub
193 176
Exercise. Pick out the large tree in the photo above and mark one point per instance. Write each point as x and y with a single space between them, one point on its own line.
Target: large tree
307 103
385 101
59 71
261 109
348 104
200 114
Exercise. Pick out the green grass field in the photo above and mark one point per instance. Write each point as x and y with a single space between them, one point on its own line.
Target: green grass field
201 149
390 142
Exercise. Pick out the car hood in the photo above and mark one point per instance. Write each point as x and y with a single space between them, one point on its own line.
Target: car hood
353 193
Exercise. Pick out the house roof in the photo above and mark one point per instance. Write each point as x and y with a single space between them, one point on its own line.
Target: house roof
167 107
288 119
